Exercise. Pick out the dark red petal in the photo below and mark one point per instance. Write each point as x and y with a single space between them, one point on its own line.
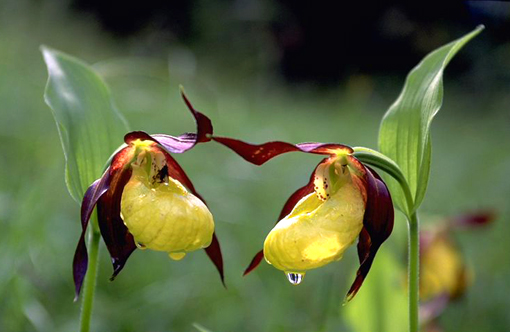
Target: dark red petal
474 219
183 142
259 154
93 194
254 262
118 240
80 261
377 226
287 208
214 253
204 125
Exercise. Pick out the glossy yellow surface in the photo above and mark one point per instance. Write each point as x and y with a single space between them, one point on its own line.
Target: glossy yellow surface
316 233
165 216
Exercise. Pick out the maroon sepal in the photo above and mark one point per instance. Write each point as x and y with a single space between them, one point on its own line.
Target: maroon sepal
183 142
259 154
118 240
287 208
90 199
474 219
377 225
214 254
254 262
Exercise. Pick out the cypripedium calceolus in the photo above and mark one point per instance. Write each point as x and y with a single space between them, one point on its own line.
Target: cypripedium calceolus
145 199
344 200
445 275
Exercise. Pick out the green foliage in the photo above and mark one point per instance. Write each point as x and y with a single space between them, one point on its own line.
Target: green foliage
381 303
89 126
404 134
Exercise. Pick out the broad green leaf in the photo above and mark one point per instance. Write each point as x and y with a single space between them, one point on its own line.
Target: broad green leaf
89 126
381 304
404 135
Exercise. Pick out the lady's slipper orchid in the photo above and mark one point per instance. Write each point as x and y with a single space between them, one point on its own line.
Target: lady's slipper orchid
145 199
343 200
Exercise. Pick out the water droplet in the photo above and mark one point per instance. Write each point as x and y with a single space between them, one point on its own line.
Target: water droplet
295 278
176 256
140 246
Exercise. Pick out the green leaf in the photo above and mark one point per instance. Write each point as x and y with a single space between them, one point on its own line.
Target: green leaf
381 304
89 126
404 135
200 328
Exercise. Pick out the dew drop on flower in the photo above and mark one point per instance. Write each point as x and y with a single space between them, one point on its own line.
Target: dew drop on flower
176 256
294 278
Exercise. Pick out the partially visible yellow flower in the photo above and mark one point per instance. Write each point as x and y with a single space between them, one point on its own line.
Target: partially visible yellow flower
444 273
443 268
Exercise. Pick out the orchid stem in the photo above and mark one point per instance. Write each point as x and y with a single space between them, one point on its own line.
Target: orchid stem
90 278
414 272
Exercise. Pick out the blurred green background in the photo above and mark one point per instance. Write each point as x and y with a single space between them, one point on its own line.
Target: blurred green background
235 65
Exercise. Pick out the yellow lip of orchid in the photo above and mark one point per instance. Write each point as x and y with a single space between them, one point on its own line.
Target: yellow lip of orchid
309 239
343 200
165 216
318 230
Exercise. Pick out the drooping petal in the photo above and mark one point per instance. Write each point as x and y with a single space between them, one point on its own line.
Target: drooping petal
118 240
214 254
287 208
92 196
259 154
377 225
80 260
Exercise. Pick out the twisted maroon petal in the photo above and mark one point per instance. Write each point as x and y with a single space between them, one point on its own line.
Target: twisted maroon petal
259 154
377 225
183 142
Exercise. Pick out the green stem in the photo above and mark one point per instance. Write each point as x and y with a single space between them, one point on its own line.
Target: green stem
384 163
90 278
414 272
